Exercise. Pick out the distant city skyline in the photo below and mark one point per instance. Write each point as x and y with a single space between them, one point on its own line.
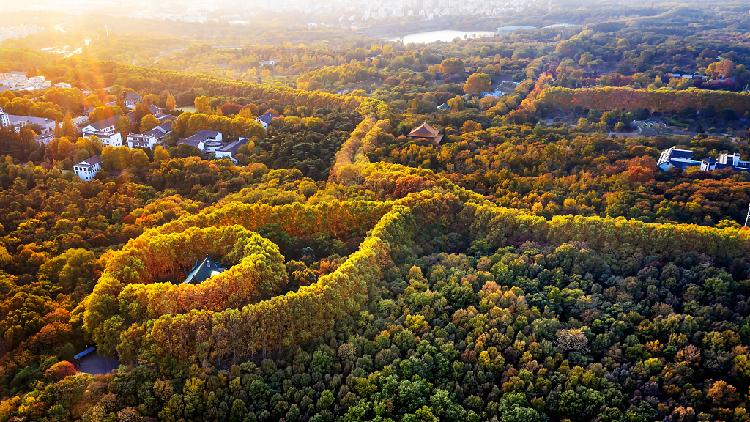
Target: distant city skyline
343 9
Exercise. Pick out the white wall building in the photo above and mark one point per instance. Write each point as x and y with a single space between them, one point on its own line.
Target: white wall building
88 168
108 139
43 127
229 150
204 140
4 119
106 126
141 140
17 81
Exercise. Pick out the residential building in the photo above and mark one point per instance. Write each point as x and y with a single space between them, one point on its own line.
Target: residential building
204 140
42 125
426 132
695 76
650 127
732 161
141 140
12 80
88 168
683 159
45 139
161 131
17 81
161 116
105 125
266 118
202 270
151 138
80 121
677 158
165 117
108 139
153 110
230 150
90 362
131 99
4 119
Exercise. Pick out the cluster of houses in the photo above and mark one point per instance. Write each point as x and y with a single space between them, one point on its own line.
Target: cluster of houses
207 141
44 127
18 81
106 132
705 81
683 159
211 141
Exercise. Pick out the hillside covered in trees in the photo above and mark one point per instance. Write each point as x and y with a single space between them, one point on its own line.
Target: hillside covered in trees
474 230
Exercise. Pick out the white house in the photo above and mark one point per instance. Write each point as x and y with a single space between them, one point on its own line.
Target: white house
13 80
725 160
265 119
131 99
676 157
151 138
108 139
44 126
45 139
88 168
229 150
106 126
141 140
80 121
4 119
17 81
683 159
204 140
160 132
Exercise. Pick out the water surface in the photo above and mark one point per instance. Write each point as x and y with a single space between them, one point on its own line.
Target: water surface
445 35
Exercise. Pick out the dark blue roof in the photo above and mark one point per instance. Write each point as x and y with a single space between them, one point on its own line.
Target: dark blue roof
97 364
681 153
234 146
132 96
683 165
85 352
266 117
202 270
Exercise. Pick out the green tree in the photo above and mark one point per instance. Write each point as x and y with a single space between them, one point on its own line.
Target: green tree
477 83
452 66
203 105
74 270
160 154
148 122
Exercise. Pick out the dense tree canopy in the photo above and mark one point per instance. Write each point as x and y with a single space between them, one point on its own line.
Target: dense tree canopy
532 265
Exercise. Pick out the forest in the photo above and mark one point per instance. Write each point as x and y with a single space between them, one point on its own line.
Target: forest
524 259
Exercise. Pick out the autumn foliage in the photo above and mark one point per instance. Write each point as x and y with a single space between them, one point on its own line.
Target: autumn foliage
656 100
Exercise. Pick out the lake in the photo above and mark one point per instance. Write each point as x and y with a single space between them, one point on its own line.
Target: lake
513 28
446 35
